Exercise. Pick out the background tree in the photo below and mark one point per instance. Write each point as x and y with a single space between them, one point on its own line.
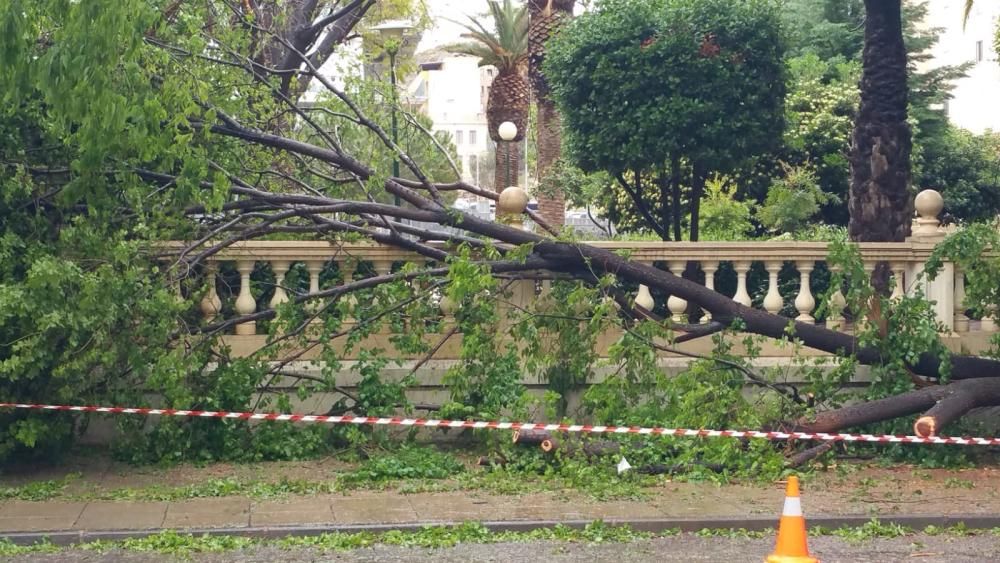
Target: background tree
503 45
642 85
548 17
828 29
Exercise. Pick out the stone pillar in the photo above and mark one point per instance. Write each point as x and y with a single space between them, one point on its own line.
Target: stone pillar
927 230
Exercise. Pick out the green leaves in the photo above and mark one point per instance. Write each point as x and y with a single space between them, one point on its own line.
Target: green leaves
637 81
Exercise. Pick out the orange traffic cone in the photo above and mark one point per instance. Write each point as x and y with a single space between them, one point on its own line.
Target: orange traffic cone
791 546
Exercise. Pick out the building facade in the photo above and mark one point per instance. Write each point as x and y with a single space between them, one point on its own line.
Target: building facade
974 103
451 89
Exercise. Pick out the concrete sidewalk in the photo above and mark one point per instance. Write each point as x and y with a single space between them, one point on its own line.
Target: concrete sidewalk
689 506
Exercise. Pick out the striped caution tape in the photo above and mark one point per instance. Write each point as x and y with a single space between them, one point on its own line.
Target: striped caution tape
499 425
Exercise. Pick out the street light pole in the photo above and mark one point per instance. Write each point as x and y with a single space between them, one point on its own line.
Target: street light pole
507 150
393 36
507 132
395 127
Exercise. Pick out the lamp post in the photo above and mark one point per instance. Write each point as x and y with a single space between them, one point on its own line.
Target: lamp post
392 40
507 132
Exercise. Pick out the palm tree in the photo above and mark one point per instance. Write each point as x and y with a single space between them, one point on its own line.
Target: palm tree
880 204
506 48
547 18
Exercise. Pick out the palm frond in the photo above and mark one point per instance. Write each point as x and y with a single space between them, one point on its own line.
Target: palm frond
507 40
967 12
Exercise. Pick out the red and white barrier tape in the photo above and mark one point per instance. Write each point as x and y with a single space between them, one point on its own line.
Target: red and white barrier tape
497 425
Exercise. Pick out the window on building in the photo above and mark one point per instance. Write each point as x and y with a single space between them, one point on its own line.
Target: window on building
979 51
472 136
458 137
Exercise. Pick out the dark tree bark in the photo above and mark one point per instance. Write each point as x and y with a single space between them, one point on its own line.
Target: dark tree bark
946 404
675 202
530 437
551 202
505 150
880 204
547 18
697 188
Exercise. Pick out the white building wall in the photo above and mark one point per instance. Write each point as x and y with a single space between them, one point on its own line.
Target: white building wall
974 105
452 99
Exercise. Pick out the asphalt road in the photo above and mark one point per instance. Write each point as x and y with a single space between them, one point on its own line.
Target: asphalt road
918 548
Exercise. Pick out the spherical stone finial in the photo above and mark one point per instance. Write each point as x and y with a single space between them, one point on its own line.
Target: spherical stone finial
513 201
929 204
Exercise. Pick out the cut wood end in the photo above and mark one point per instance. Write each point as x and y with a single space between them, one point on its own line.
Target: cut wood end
548 445
516 435
925 427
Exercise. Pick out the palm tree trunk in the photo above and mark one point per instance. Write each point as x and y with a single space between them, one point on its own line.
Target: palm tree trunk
880 204
508 159
547 18
552 205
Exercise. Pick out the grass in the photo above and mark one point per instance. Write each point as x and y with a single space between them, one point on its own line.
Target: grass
173 543
39 490
439 537
408 471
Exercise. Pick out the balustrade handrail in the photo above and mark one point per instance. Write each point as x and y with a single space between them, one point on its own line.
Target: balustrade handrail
643 251
906 260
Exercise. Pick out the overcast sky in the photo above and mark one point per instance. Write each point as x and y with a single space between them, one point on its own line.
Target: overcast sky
444 31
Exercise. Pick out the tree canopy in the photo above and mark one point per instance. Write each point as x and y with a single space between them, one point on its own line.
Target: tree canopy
648 87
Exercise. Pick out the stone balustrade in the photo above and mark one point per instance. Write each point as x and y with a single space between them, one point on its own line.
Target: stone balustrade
793 262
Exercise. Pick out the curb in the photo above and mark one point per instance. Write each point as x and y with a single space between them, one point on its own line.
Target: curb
653 525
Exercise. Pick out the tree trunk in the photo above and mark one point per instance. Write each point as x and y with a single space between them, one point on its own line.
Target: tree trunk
530 437
880 204
505 150
675 202
551 202
666 212
547 18
946 404
697 188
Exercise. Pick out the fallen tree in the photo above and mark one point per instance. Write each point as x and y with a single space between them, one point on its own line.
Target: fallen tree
229 169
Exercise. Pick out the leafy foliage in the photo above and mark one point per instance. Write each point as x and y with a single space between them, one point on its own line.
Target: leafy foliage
641 86
505 47
792 201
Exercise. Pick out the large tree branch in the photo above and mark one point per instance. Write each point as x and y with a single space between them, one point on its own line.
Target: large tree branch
641 205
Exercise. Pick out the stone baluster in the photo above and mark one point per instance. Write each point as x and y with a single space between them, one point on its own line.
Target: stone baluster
836 305
314 267
676 305
742 296
643 297
709 267
280 268
382 267
245 303
961 321
898 281
347 269
211 304
773 301
545 295
447 307
804 301
864 322
179 290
